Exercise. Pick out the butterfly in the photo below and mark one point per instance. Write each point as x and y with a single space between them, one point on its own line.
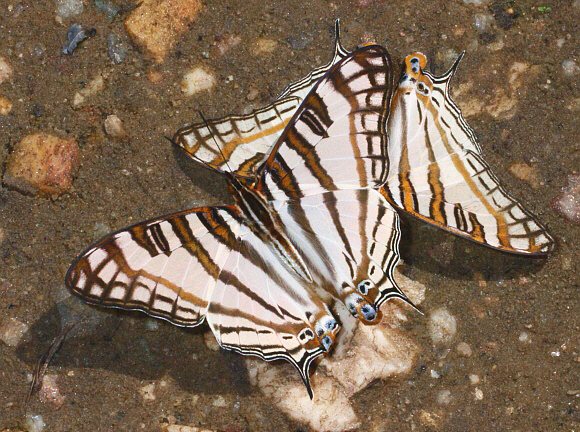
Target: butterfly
436 169
308 227
317 179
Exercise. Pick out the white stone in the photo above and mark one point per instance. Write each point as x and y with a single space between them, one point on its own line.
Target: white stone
198 79
5 70
66 8
483 21
114 126
184 428
464 349
35 423
474 379
444 397
220 401
361 355
442 326
478 394
148 392
93 87
569 67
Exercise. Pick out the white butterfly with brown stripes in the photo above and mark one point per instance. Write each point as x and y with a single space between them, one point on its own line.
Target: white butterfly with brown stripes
436 169
309 225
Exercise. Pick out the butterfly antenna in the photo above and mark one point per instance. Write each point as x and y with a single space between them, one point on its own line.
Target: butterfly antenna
216 142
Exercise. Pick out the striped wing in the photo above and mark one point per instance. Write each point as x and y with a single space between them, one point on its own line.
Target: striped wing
205 264
437 172
337 138
241 143
350 242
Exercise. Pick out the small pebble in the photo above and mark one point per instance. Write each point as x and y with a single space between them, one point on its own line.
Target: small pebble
11 331
92 88
107 8
147 392
114 127
569 67
116 49
5 106
67 8
264 46
197 80
476 2
483 22
434 374
5 70
35 423
253 94
527 173
474 379
444 397
567 204
152 325
442 326
210 341
157 25
524 337
220 401
464 349
43 163
50 391
227 43
478 394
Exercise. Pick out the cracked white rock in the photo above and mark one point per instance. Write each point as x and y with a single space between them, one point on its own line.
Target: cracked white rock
361 355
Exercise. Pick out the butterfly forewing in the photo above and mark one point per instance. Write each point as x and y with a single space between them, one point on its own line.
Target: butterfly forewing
337 137
437 172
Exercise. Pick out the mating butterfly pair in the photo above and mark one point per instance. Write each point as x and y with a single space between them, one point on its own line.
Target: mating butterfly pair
316 178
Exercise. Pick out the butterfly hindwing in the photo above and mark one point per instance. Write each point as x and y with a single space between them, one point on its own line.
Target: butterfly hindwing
241 143
349 239
437 172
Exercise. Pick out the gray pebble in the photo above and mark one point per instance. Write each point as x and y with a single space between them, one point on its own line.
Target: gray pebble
483 22
116 49
107 8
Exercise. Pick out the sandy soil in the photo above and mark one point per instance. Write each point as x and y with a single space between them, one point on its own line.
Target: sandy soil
519 315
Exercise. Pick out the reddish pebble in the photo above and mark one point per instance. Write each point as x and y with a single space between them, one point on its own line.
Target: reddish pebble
43 163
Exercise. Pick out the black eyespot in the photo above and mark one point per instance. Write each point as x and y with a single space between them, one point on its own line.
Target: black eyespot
364 287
